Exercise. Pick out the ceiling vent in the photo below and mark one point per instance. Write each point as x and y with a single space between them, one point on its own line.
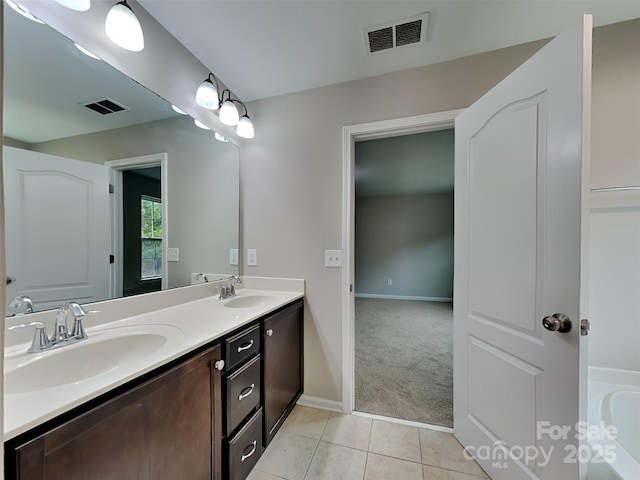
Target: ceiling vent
104 106
408 31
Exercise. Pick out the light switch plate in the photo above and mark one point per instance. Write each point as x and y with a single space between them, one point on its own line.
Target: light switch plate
252 257
233 256
173 254
333 258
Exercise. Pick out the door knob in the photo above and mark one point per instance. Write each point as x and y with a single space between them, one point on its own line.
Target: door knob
269 332
558 322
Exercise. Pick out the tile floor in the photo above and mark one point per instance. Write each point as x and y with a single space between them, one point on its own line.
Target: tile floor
319 445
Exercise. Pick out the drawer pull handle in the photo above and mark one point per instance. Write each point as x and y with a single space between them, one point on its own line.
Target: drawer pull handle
253 450
245 346
245 395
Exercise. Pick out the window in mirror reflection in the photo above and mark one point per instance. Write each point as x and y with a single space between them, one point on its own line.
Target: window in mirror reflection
151 213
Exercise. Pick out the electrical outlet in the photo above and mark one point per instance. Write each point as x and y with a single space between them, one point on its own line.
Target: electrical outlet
173 254
233 256
252 257
333 258
389 281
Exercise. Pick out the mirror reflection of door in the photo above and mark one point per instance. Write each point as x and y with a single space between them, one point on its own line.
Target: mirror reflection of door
57 229
142 231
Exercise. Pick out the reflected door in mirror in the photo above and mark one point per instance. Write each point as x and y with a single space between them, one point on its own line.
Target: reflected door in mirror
57 228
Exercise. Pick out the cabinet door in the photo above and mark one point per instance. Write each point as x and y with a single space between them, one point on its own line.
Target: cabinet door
283 366
166 428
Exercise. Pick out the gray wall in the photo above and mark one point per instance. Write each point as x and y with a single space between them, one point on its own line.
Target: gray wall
408 239
292 171
202 186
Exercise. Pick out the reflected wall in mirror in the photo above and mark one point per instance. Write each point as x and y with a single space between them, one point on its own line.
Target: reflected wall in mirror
60 227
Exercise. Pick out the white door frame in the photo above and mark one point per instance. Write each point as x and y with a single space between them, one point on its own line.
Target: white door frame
350 134
116 167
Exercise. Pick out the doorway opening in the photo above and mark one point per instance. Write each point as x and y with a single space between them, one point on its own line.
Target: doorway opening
139 219
352 135
403 285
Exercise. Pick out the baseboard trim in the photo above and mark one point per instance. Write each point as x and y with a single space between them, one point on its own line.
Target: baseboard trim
403 297
321 403
403 422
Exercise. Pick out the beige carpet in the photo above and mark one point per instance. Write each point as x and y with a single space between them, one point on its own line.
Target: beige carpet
404 359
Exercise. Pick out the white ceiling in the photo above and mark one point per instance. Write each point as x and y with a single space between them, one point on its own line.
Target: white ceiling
46 79
265 48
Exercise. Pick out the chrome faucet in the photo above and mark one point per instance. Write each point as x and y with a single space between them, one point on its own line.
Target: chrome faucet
229 290
61 335
22 301
203 276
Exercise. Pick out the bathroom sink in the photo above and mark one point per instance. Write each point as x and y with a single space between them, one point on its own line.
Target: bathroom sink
80 361
247 301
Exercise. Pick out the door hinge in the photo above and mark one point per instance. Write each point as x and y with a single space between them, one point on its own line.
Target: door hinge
351 288
111 188
585 325
112 259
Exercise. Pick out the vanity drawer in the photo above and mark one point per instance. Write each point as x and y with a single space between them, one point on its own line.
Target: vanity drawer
243 393
245 448
242 346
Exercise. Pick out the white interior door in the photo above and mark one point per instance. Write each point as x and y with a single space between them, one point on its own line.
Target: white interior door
521 175
57 228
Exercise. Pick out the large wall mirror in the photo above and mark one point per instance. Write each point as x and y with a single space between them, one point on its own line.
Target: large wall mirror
73 125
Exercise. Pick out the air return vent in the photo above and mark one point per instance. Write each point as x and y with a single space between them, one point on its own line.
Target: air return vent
105 106
408 31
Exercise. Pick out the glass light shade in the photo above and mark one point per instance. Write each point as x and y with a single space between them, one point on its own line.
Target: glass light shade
245 127
229 113
178 110
86 52
23 11
220 138
78 5
123 28
207 95
201 125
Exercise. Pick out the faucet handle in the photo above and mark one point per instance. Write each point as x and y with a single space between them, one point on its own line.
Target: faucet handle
78 330
40 340
79 313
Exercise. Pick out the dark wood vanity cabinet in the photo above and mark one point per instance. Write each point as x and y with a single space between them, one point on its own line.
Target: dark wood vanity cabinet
282 365
185 420
168 427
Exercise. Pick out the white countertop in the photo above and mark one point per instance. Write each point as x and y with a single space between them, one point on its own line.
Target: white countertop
186 327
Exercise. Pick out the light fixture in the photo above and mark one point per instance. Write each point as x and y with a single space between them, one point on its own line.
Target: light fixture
123 28
228 111
78 5
207 97
178 110
23 11
207 93
199 124
245 125
85 51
